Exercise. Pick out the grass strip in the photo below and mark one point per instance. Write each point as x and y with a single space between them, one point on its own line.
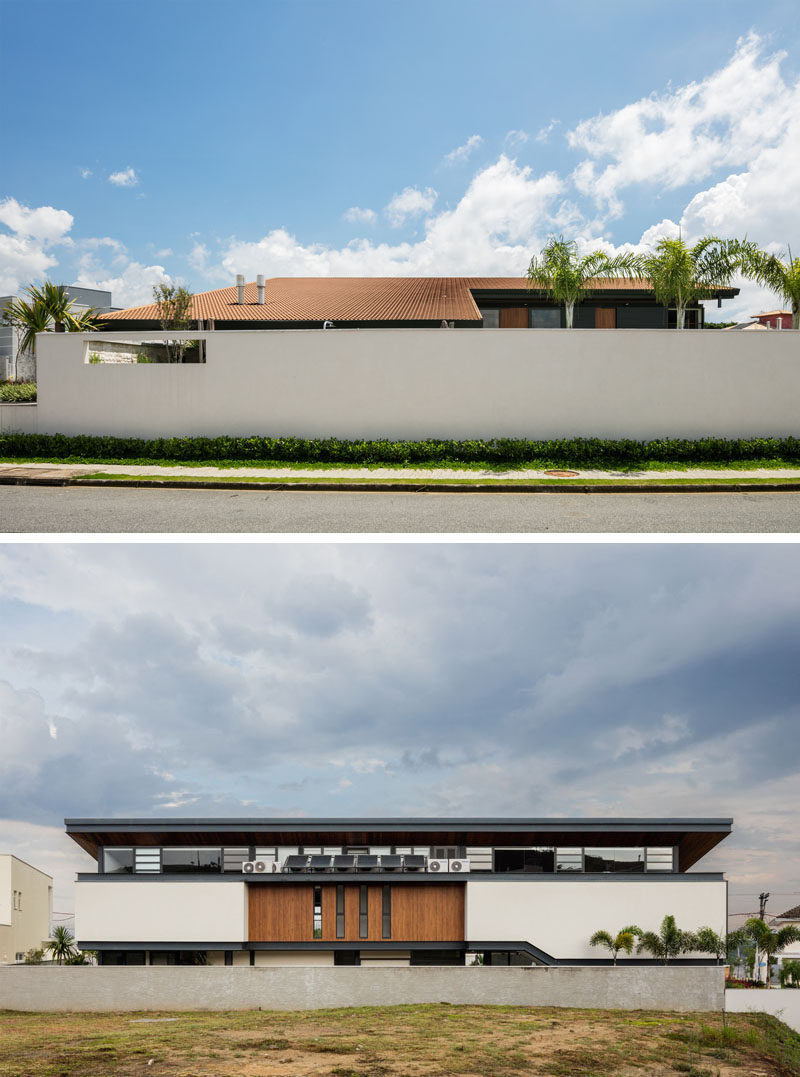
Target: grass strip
363 480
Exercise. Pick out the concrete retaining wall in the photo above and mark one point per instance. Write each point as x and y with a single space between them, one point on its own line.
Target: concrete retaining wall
19 418
415 383
781 1003
76 988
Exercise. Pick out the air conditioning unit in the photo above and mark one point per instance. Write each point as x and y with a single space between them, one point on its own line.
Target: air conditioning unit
438 865
459 865
259 867
275 867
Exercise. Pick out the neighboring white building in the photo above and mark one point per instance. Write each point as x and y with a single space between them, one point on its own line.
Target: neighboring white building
20 365
406 891
26 906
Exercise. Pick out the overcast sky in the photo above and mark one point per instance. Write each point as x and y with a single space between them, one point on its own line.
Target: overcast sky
487 679
196 140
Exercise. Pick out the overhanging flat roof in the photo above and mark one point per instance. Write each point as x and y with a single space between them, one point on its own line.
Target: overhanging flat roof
693 837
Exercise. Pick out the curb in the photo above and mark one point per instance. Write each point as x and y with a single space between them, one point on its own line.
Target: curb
412 488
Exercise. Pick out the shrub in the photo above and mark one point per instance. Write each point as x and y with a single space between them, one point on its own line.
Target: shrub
94 357
17 392
142 358
496 452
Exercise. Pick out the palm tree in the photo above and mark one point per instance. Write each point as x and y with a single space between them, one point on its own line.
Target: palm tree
30 319
769 942
61 945
670 941
781 277
790 973
707 941
623 940
682 275
568 278
47 309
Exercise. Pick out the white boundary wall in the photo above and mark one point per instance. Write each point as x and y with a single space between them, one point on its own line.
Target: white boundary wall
416 383
78 988
780 1002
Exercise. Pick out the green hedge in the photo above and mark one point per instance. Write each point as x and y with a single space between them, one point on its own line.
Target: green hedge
572 452
17 392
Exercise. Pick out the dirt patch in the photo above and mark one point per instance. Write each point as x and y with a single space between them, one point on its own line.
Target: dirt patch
402 1041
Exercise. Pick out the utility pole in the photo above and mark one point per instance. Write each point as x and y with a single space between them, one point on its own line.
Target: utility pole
762 904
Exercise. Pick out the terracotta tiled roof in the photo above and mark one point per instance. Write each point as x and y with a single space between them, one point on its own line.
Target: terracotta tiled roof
770 313
350 299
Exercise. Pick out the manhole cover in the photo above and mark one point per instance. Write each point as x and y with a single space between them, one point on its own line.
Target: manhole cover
562 474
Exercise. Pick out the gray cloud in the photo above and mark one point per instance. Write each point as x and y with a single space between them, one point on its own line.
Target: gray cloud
474 679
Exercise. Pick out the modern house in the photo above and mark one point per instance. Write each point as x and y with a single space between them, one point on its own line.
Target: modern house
414 302
26 905
15 363
395 891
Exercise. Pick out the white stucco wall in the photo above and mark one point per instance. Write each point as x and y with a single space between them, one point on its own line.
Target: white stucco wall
293 958
560 917
414 383
161 912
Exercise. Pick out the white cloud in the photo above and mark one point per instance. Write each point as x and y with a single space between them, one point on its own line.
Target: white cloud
46 224
357 215
126 178
25 253
516 138
461 153
198 257
86 172
505 213
682 136
410 202
131 286
543 133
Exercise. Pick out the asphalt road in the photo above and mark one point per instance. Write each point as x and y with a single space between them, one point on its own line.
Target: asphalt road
33 509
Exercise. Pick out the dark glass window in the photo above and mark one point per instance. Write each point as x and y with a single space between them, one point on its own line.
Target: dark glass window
629 860
387 912
491 317
533 861
317 912
183 861
118 861
363 915
544 317
339 912
598 860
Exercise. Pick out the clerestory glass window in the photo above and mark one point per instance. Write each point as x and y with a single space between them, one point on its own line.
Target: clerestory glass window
187 861
531 861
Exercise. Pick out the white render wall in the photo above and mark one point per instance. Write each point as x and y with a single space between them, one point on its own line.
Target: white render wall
415 383
560 917
161 912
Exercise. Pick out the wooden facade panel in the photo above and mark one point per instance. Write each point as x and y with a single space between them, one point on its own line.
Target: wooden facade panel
280 913
605 317
428 913
514 318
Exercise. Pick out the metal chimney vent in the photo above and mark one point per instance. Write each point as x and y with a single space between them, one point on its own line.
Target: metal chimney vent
260 284
239 288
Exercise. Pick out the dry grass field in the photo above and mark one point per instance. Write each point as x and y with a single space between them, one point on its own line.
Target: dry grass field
401 1041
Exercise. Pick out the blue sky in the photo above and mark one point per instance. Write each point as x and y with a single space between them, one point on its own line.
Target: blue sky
326 679
197 139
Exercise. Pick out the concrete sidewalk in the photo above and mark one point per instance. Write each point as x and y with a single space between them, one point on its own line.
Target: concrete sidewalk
383 478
